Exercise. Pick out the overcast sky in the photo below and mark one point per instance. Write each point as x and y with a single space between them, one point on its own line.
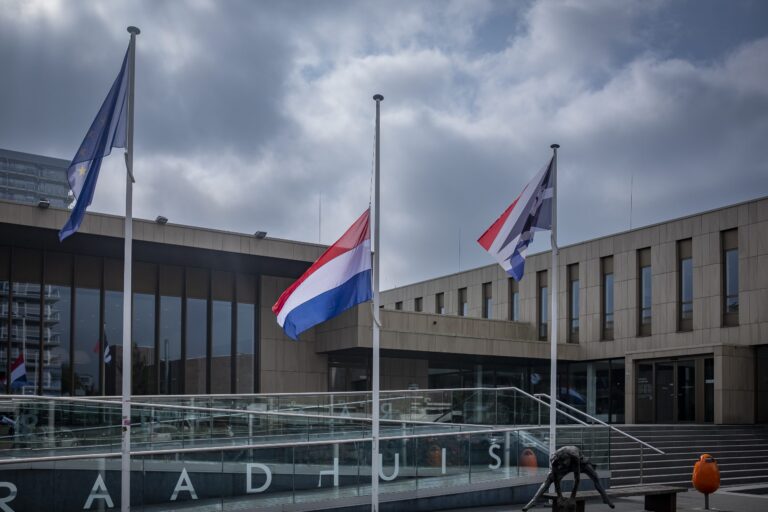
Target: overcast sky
247 113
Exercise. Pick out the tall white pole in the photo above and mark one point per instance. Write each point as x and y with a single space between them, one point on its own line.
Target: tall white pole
554 299
376 319
125 459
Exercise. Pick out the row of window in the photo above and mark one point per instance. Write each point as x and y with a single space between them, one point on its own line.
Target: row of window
730 278
193 329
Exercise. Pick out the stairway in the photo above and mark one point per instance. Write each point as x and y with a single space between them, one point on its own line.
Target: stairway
741 452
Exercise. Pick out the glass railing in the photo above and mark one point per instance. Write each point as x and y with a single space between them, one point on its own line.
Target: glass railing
44 426
256 476
478 406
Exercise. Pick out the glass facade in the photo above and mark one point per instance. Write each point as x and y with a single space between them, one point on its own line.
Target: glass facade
63 314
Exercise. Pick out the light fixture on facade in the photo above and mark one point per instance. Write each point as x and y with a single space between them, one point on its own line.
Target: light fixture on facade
260 235
161 220
43 203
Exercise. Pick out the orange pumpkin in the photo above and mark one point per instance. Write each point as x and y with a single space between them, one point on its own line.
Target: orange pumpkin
528 460
706 474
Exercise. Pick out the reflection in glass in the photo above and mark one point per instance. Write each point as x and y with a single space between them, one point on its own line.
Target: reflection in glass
686 288
245 347
4 289
543 312
608 287
732 281
196 331
57 315
574 313
221 331
170 329
645 295
113 342
143 329
86 377
26 324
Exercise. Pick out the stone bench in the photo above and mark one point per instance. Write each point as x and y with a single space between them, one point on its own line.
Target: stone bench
658 498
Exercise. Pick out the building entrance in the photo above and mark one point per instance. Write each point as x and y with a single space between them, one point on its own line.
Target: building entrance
675 391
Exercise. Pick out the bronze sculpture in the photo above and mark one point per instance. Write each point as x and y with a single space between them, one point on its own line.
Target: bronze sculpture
566 460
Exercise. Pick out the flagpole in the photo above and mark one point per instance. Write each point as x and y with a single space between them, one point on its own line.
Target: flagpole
125 459
376 320
553 335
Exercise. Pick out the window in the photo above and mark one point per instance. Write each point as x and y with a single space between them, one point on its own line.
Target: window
514 300
143 330
440 303
87 362
573 303
418 304
543 309
222 294
685 285
607 296
171 280
463 308
246 346
487 300
112 345
730 243
196 332
399 305
58 314
644 292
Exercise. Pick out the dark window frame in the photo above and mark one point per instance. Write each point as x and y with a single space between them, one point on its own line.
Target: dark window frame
644 262
487 306
463 304
607 285
542 305
573 323
514 300
729 243
684 254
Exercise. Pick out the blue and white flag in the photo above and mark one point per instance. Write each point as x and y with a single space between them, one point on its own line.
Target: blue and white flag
508 238
107 131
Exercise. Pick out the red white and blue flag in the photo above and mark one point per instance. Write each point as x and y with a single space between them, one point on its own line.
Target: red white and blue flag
337 281
508 238
18 372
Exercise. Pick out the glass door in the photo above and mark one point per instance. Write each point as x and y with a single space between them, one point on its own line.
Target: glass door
665 392
686 391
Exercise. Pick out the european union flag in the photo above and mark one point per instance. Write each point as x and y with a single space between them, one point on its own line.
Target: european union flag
107 131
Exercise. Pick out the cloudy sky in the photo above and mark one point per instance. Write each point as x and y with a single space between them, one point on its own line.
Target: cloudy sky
248 113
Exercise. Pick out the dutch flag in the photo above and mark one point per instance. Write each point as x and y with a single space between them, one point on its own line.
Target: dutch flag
337 281
508 238
18 373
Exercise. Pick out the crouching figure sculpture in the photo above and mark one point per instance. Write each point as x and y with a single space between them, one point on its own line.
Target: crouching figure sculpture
568 459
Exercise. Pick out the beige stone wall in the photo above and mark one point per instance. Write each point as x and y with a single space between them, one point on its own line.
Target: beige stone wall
704 230
734 376
287 366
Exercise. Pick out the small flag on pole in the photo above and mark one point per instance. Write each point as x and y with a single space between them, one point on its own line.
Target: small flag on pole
19 372
107 131
337 281
508 238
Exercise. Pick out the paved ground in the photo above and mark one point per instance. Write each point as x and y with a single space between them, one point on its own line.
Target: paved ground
725 500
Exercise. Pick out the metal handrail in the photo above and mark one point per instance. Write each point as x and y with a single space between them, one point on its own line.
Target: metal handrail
546 404
625 434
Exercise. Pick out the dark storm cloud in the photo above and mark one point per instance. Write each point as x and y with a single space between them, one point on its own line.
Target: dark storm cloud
247 112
